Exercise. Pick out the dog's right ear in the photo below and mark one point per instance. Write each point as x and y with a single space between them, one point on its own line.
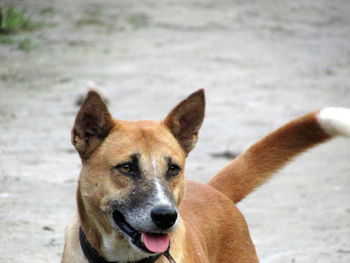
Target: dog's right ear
92 125
185 120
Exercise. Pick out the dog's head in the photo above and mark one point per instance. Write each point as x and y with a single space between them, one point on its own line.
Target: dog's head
132 179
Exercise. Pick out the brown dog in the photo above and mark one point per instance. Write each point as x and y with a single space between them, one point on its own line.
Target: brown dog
134 204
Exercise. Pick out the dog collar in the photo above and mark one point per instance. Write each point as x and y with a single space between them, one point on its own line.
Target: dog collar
94 257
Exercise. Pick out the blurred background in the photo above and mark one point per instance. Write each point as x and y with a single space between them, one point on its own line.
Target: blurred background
262 63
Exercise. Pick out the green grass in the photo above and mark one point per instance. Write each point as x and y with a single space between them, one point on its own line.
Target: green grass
26 45
138 21
47 11
5 40
91 17
13 20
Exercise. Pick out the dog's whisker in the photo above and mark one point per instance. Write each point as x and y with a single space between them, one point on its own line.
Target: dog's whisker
169 257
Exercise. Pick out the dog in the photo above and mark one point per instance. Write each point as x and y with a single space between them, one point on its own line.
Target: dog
134 204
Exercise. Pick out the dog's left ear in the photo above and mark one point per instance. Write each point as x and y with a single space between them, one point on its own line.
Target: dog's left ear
185 120
92 124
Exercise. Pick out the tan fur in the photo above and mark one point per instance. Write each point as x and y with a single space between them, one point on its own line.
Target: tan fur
260 161
211 228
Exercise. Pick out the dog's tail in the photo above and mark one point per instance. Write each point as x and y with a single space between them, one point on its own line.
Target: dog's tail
253 167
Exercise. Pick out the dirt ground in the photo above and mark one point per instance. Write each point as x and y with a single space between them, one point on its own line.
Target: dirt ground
262 64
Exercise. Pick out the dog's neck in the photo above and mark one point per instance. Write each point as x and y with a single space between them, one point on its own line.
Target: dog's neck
94 257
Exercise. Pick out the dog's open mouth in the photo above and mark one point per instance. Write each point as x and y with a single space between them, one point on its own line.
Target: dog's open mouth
148 242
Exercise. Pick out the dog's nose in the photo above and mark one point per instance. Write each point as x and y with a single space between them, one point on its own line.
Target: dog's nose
164 217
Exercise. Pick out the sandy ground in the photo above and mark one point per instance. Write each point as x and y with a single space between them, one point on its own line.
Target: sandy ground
262 64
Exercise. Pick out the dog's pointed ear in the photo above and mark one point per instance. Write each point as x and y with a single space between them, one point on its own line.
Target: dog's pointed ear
185 120
92 125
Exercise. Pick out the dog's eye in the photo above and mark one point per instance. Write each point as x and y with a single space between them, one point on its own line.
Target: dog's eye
173 170
125 168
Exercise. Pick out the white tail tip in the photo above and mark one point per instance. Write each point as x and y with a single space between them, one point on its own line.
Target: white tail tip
91 84
335 121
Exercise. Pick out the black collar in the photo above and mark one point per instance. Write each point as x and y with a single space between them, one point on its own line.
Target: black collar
94 257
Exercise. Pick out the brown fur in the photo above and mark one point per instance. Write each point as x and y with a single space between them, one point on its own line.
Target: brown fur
211 228
260 161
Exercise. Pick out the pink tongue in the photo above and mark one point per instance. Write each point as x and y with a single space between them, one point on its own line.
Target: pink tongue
156 243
